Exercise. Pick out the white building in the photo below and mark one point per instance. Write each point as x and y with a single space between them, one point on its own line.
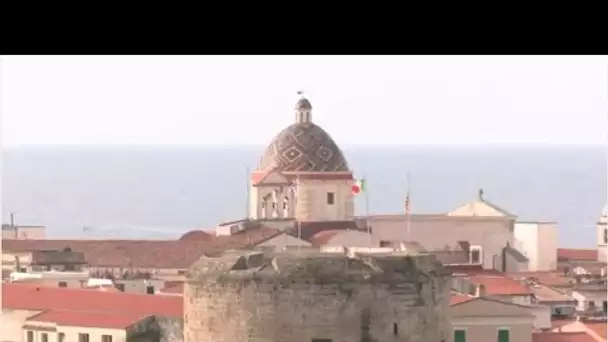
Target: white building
538 242
602 236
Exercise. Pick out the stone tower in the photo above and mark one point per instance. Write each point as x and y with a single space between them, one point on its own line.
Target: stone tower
314 296
602 235
302 175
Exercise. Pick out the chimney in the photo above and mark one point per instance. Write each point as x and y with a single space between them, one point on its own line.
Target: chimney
481 290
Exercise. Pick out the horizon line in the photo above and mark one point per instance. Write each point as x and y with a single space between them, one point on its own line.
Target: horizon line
343 146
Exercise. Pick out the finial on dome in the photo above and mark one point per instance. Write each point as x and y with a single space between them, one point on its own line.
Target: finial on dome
303 108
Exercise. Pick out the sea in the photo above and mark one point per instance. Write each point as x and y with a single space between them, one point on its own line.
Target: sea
161 192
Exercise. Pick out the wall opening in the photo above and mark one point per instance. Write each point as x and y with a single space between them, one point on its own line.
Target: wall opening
395 329
150 289
331 198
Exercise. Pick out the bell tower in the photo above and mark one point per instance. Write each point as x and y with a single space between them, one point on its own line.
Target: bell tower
602 236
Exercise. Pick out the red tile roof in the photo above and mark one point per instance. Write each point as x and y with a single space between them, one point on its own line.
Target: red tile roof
33 297
548 278
105 320
501 285
147 254
323 237
562 337
460 298
577 254
122 253
197 235
598 327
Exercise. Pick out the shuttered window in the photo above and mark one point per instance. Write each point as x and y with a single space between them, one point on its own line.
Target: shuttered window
460 336
503 335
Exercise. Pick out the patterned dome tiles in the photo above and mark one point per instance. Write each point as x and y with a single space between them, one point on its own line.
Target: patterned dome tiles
303 147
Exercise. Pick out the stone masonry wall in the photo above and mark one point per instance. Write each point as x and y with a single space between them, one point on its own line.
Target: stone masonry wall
261 311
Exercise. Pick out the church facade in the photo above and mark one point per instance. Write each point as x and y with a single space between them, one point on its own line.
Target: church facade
302 175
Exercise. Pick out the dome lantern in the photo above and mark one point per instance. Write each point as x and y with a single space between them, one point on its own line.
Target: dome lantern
303 109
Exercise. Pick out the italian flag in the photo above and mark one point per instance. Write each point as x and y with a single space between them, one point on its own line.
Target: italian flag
358 187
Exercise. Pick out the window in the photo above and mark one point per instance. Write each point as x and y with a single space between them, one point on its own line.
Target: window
106 338
395 329
330 198
44 337
460 335
61 337
321 340
150 289
62 284
384 243
83 337
605 235
475 255
605 306
30 336
503 335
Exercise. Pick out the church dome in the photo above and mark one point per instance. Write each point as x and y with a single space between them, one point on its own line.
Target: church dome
303 147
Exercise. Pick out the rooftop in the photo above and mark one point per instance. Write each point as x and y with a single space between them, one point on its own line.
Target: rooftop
457 298
573 254
178 254
545 293
501 285
549 278
562 337
37 298
105 320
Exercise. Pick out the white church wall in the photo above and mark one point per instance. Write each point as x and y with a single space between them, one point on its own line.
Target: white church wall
313 204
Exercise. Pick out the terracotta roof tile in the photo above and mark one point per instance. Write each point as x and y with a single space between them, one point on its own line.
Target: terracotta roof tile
557 323
37 298
577 254
105 320
323 237
197 235
460 298
549 278
598 327
122 253
147 254
562 337
501 285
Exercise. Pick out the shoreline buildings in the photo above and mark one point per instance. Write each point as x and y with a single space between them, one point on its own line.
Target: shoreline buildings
509 279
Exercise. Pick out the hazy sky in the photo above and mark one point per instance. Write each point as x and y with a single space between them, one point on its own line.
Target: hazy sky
216 100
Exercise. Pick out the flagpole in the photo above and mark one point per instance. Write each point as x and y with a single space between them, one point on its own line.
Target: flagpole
367 226
407 209
248 194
